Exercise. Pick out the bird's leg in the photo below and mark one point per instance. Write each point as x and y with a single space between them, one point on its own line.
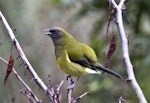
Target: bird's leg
71 82
68 77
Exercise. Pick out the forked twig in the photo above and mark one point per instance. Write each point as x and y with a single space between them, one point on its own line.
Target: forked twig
124 41
23 83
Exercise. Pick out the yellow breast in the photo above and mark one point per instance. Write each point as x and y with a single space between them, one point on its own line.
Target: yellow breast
69 67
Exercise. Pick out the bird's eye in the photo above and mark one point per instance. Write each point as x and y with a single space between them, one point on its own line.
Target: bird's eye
53 31
55 34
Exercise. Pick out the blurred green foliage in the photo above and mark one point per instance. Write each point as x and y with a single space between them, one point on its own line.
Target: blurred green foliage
87 21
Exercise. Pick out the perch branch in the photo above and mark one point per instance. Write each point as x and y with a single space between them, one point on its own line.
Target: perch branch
69 90
125 51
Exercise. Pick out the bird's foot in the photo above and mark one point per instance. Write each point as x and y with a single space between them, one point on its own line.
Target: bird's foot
71 82
71 86
67 77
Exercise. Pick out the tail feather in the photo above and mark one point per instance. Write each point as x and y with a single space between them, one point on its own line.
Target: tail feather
109 71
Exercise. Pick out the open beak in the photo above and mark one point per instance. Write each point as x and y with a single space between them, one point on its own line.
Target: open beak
46 32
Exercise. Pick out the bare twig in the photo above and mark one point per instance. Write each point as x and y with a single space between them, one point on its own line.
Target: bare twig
23 83
25 92
124 41
121 100
58 90
79 98
69 90
56 93
24 58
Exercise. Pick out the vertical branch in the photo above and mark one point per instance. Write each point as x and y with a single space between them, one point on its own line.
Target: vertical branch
125 51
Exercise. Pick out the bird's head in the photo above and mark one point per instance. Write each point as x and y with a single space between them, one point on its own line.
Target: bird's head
59 35
55 33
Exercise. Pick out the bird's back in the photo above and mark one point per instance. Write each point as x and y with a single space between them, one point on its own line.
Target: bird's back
76 51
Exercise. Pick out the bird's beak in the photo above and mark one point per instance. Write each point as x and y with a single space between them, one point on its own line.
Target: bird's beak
46 32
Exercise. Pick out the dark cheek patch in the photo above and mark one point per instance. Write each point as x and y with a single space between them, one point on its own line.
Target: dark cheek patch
57 36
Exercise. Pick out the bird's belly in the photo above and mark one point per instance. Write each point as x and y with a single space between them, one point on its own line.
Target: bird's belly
72 68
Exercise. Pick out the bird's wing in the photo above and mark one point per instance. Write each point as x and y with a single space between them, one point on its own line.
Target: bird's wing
84 62
82 55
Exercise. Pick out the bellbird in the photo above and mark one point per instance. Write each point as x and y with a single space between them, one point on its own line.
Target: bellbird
73 57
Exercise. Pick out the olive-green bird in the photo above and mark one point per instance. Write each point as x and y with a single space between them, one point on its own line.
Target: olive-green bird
73 57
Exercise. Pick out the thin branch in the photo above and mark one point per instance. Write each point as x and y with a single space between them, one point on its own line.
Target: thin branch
24 92
125 51
122 3
58 91
113 3
70 89
23 83
79 98
121 100
24 58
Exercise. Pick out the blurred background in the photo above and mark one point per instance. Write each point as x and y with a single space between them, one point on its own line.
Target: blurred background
87 21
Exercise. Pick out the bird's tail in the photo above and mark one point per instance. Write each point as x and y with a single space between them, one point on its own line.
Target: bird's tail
109 71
